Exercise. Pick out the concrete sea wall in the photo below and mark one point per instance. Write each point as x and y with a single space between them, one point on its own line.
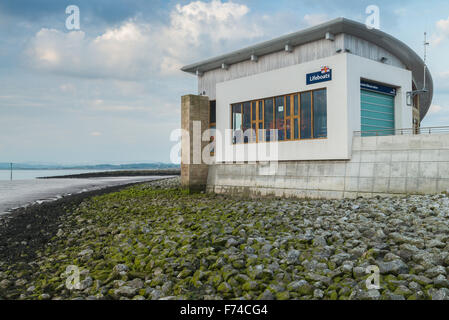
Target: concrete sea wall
387 165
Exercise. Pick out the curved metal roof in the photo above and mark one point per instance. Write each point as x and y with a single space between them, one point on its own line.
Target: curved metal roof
340 25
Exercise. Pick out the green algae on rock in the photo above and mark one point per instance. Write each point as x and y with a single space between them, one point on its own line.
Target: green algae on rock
155 241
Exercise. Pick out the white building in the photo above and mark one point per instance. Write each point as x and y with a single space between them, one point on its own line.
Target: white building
315 88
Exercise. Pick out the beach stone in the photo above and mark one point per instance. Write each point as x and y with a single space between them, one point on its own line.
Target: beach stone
339 258
86 252
402 290
168 298
391 296
319 241
31 289
441 281
86 283
259 248
359 294
434 243
231 243
359 272
435 271
302 287
318 294
266 295
395 267
135 283
125 291
346 268
4 284
120 268
20 283
224 287
440 294
414 286
293 256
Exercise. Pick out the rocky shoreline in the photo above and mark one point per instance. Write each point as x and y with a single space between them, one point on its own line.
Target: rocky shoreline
155 241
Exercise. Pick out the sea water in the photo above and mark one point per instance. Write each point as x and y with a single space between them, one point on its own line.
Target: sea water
20 193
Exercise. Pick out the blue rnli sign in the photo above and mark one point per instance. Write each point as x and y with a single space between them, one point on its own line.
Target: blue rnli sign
377 88
324 75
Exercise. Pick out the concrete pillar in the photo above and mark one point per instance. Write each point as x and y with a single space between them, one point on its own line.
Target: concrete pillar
194 121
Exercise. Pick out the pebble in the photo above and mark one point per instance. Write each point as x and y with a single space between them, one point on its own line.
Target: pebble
160 243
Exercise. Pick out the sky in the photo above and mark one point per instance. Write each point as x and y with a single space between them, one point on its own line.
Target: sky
111 91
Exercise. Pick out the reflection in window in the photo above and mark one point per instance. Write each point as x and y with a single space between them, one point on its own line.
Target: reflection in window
296 130
246 120
306 115
253 111
237 123
296 105
288 129
290 117
279 113
212 106
319 114
268 118
212 123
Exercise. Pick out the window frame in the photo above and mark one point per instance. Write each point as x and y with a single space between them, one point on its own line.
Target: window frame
260 104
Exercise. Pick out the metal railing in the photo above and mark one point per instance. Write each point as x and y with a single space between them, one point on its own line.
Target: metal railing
405 131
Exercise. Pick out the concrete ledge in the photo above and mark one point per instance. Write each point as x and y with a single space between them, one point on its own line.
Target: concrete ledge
394 165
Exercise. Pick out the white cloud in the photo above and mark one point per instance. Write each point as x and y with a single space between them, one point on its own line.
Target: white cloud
121 53
314 19
443 31
444 74
435 109
443 25
199 27
101 105
135 50
67 88
95 134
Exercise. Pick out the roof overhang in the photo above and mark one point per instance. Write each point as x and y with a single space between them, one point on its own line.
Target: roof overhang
340 25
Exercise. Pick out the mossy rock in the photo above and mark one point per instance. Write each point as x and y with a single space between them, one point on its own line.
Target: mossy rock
224 287
250 286
283 295
333 295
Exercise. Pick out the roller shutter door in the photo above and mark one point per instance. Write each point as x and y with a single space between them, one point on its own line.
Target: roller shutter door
377 113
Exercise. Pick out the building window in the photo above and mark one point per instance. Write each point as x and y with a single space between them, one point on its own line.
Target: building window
292 117
279 116
246 122
268 123
254 121
306 115
296 117
237 123
319 114
212 123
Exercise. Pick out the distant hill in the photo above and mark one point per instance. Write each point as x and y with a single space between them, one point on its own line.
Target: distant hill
131 166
